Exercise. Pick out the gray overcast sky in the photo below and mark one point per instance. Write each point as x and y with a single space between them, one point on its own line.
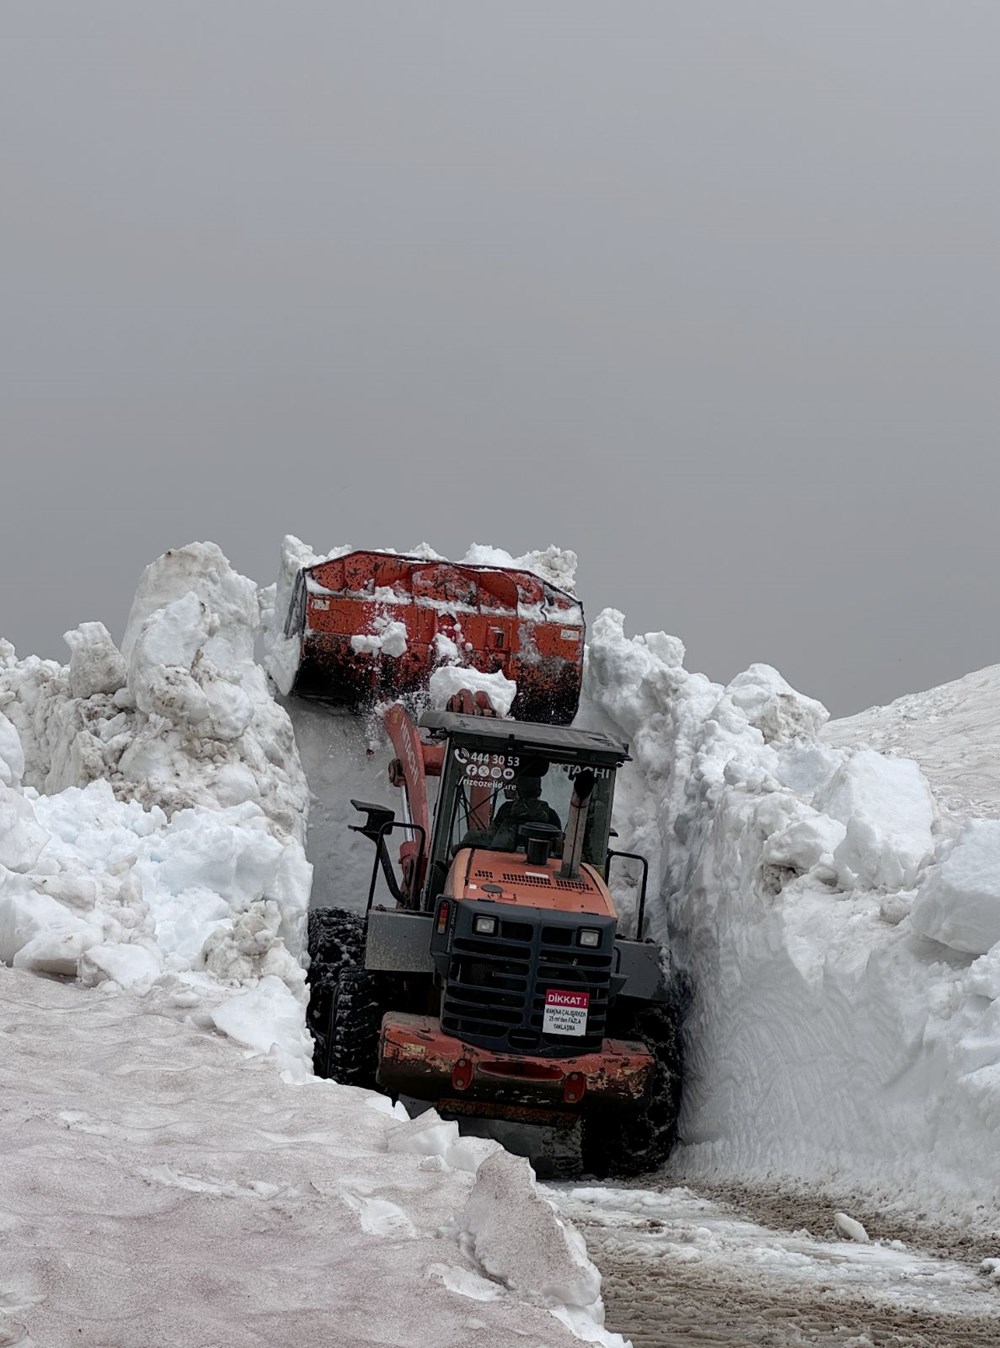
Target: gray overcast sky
706 291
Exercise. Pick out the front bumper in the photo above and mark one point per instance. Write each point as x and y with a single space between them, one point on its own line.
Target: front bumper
416 1058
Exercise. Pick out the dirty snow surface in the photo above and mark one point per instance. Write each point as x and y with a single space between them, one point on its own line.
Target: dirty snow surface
172 1172
696 1265
157 1188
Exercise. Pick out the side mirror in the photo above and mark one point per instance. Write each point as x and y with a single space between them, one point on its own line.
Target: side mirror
379 821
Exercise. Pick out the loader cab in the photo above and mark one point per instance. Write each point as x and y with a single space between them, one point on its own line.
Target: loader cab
507 784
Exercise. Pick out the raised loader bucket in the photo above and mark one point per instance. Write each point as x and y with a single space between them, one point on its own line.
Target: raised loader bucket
373 626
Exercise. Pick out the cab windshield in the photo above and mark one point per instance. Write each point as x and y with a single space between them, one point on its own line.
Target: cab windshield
500 796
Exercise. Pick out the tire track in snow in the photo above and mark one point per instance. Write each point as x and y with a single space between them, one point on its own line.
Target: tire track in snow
681 1269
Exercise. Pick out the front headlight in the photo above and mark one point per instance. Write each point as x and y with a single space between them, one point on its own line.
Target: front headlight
484 925
589 936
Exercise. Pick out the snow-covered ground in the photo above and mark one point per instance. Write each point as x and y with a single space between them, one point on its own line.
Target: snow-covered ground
684 1267
953 732
835 908
158 1186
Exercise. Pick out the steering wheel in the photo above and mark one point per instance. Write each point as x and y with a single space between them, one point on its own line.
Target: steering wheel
537 830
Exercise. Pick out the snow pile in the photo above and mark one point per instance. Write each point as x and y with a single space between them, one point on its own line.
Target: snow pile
841 1029
153 810
181 716
555 565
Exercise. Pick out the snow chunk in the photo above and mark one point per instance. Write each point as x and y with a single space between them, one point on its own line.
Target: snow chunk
171 674
96 665
21 839
125 965
888 810
465 1283
447 680
427 1135
806 844
773 707
282 662
201 569
387 638
37 932
850 1229
430 1135
268 1017
519 1239
958 903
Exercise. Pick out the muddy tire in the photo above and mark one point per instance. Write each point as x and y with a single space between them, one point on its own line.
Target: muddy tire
345 1010
622 1143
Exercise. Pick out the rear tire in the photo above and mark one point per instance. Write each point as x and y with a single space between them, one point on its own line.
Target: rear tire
623 1143
345 1011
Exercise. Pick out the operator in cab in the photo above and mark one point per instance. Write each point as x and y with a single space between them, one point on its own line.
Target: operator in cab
527 807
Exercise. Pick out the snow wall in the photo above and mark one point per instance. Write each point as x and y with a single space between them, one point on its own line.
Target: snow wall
840 933
153 811
153 815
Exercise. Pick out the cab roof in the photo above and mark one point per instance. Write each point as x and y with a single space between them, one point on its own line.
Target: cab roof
547 739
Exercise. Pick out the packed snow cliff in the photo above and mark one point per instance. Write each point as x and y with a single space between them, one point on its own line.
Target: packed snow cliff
839 933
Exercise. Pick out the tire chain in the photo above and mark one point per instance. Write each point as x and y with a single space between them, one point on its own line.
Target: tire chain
625 1143
342 998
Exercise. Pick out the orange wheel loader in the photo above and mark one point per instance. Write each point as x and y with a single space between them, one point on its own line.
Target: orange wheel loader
484 971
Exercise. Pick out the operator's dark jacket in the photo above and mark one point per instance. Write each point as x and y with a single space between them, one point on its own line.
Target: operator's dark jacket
512 814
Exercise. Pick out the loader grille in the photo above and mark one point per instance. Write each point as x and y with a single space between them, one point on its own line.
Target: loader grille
496 986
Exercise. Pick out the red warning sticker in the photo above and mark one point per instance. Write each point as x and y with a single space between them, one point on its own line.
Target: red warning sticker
565 1012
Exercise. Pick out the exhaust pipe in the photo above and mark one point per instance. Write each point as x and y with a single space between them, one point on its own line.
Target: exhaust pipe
576 827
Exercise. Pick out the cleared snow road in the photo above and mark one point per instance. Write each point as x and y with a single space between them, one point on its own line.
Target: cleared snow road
682 1268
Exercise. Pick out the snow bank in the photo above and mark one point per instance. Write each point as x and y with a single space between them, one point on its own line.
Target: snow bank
841 1031
153 809
182 716
161 1189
